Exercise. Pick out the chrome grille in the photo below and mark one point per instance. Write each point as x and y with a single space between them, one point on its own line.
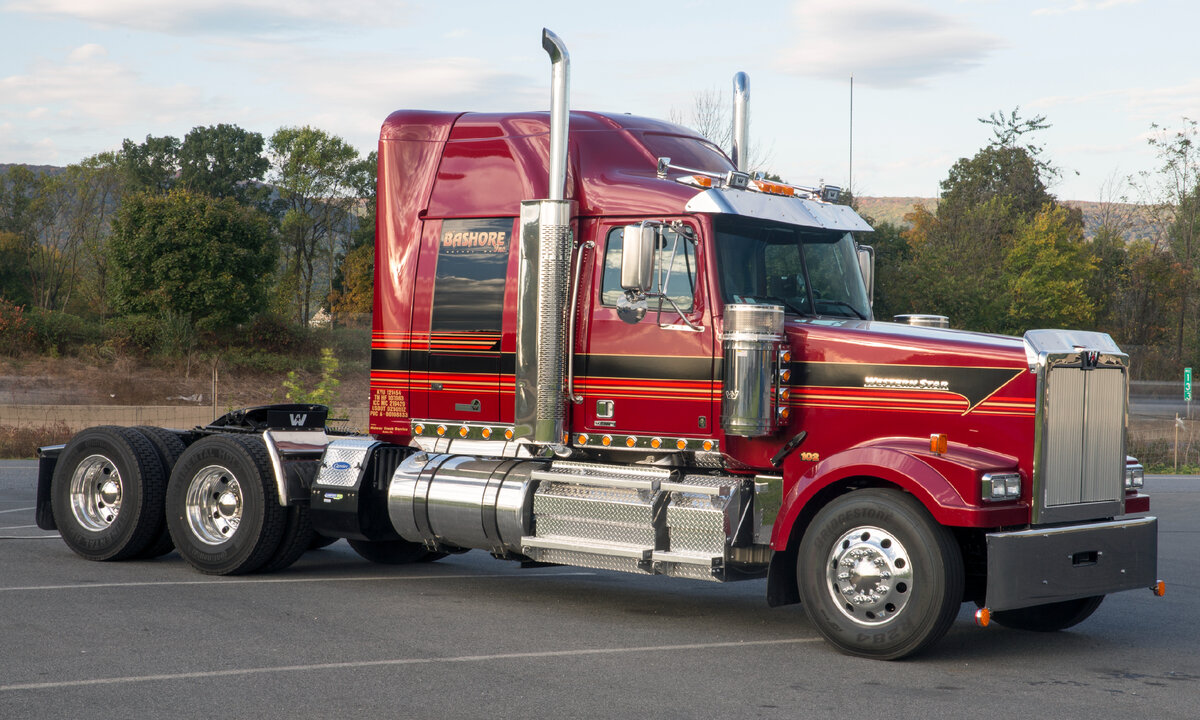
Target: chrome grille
1079 457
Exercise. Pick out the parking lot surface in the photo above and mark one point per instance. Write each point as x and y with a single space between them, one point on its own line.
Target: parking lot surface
473 637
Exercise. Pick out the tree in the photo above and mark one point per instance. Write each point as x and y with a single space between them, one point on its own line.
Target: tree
711 116
224 161
1047 272
316 175
353 284
14 269
151 166
192 255
1008 131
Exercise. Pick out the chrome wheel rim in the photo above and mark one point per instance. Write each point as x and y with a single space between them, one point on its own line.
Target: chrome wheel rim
96 492
870 576
214 505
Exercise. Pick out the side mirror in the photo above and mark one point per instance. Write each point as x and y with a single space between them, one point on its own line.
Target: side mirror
866 265
637 258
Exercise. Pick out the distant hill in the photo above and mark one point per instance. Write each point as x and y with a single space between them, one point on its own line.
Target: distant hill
1135 218
40 169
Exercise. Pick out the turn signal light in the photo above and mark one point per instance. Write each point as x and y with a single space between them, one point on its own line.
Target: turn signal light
707 445
441 430
656 443
508 434
606 440
487 433
938 443
581 439
630 441
418 429
681 444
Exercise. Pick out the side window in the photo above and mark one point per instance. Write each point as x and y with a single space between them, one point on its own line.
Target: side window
468 291
677 268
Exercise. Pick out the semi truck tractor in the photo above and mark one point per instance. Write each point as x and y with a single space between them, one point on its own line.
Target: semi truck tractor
600 341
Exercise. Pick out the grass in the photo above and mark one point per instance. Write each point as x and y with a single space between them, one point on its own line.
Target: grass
21 442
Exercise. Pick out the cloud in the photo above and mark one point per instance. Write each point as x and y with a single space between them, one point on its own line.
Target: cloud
240 17
882 42
87 94
1147 103
1062 7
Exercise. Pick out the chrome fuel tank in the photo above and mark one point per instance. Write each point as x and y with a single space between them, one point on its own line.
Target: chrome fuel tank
463 501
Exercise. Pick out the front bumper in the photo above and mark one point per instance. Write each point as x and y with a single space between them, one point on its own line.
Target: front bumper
1045 565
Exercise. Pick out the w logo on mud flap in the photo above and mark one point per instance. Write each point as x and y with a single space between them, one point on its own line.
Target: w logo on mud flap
297 419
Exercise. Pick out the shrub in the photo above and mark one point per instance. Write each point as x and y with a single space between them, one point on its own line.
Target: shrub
15 334
63 332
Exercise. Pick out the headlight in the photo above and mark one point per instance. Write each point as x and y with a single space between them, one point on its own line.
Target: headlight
1135 477
1001 486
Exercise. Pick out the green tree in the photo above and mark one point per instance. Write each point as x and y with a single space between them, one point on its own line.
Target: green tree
14 268
192 255
353 282
1047 272
150 166
316 175
224 161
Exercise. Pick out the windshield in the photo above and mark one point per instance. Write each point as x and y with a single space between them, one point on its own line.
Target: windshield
808 272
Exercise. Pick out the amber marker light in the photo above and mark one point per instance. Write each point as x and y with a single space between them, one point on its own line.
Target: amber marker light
487 433
606 440
441 429
938 443
983 617
785 394
784 414
463 431
681 444
785 356
656 443
581 439
508 434
785 375
1159 588
707 445
418 428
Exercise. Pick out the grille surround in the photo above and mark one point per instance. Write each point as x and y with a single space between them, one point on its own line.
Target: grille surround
1082 414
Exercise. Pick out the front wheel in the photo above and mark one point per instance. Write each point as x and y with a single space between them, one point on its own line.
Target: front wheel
1050 617
877 576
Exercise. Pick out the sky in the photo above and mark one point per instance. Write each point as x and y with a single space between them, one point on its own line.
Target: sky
79 76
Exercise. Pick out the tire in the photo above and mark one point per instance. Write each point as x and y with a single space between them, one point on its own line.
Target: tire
222 507
1051 617
169 447
107 493
877 576
297 538
394 552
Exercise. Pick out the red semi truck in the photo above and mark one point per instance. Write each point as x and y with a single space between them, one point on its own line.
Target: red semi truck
666 366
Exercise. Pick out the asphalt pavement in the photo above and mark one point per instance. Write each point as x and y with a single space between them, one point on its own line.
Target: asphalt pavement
473 637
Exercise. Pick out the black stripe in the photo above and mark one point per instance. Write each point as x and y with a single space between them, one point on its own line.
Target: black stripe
650 367
974 384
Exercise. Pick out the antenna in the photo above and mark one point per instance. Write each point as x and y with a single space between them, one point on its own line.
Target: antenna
850 179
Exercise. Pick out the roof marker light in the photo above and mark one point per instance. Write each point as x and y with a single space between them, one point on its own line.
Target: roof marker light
938 443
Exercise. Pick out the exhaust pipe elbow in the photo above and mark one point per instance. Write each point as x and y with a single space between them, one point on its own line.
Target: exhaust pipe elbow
741 121
560 89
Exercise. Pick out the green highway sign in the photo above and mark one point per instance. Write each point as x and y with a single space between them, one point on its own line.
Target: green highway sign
1187 384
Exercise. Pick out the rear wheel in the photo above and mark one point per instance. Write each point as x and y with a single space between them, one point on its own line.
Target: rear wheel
222 507
1050 617
107 493
169 447
877 576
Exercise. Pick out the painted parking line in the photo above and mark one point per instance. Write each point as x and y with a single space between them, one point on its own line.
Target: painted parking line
580 652
279 581
17 510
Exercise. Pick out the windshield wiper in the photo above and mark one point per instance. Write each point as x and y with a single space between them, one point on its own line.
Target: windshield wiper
841 303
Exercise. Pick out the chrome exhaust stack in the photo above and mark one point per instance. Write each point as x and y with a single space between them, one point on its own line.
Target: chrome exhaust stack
741 122
544 279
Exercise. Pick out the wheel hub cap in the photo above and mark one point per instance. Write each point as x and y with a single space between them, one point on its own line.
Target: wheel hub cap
96 493
214 505
870 578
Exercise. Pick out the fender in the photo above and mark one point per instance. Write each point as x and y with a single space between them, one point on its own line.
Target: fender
937 481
